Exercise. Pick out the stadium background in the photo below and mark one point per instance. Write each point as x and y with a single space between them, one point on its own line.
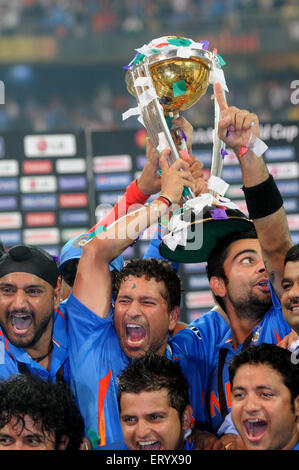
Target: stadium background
65 151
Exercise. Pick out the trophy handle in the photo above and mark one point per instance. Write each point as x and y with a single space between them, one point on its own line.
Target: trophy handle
218 145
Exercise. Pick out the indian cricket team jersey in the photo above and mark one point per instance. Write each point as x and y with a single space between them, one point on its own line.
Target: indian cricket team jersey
96 360
271 329
14 360
195 348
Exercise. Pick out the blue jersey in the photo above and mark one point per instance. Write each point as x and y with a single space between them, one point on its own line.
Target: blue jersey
271 330
15 360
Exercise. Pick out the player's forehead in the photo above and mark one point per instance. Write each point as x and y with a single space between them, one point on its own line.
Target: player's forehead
240 246
141 285
145 402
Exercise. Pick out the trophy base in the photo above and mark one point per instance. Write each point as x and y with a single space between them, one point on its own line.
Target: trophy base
192 235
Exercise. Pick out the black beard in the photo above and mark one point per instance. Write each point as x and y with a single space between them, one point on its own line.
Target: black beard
38 334
252 309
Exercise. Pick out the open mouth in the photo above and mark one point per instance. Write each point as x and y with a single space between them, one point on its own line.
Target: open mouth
21 322
264 285
135 334
255 428
149 445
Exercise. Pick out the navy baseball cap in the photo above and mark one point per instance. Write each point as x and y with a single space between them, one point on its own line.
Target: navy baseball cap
73 250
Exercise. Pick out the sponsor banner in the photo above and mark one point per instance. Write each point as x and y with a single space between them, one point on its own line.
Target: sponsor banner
113 163
56 145
199 299
37 202
204 156
10 220
38 184
140 162
233 191
109 198
68 234
291 205
284 170
53 250
72 165
287 152
41 236
2 147
9 185
295 237
194 267
73 200
36 219
293 221
198 282
38 167
288 188
194 314
72 182
129 253
9 168
114 181
11 237
8 202
73 217
231 174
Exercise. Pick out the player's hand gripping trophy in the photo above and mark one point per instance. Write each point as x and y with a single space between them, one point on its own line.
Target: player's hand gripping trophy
167 76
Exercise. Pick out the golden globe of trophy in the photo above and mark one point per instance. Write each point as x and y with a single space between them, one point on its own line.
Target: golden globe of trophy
167 76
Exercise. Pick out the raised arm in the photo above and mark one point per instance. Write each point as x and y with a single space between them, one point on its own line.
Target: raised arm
93 282
263 199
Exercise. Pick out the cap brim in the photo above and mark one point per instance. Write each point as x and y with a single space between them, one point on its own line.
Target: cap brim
203 235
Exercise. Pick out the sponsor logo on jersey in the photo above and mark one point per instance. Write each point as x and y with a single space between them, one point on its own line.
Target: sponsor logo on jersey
56 145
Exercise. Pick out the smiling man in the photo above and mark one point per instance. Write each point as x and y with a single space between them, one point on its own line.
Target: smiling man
265 398
154 406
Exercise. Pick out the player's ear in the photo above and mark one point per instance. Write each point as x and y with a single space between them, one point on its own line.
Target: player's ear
296 410
174 316
63 443
218 286
187 418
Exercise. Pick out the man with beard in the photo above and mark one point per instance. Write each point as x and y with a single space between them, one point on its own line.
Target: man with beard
237 274
32 330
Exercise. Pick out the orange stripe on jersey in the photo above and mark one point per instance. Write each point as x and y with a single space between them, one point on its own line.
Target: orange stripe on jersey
278 339
213 402
103 387
6 344
60 313
228 393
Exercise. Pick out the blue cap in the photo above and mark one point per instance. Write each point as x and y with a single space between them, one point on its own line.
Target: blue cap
73 250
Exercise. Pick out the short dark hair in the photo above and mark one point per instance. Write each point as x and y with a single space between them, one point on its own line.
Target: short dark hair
278 358
292 254
158 269
152 373
51 406
217 257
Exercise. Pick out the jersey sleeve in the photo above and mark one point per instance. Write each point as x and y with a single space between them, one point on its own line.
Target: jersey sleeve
133 196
